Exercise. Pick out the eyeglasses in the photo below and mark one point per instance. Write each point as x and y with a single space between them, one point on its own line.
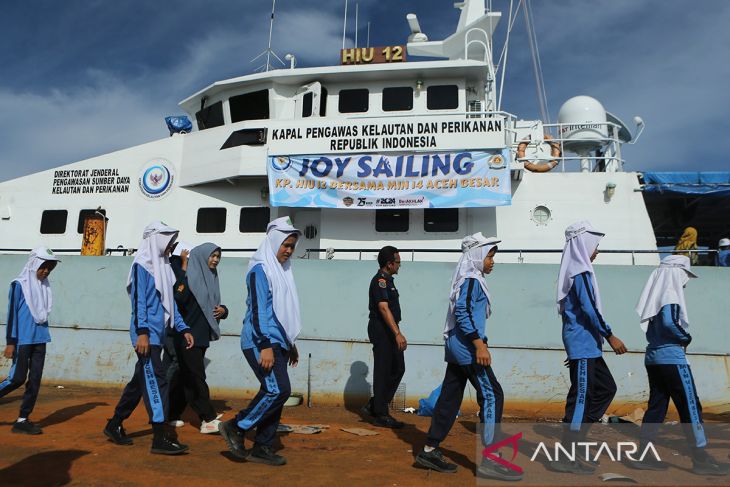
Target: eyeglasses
396 262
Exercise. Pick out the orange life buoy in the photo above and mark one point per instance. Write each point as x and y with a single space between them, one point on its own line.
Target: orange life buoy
535 167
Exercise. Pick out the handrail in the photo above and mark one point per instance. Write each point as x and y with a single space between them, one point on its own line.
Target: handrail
515 251
520 259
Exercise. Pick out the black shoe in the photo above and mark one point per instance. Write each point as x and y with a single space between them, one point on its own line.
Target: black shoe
387 421
648 463
164 445
493 470
265 454
233 435
435 461
116 434
705 464
574 467
367 409
26 427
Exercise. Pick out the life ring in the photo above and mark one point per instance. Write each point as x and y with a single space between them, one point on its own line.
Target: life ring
535 167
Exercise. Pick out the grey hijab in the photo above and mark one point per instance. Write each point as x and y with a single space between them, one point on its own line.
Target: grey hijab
203 283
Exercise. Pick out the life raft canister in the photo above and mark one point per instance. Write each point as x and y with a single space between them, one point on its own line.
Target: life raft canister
536 167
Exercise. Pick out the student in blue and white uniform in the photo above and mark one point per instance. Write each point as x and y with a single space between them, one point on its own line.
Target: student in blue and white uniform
468 359
592 387
270 329
663 313
150 290
29 304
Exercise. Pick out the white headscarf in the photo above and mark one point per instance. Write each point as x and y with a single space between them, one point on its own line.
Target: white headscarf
37 293
665 286
581 240
280 277
474 250
151 256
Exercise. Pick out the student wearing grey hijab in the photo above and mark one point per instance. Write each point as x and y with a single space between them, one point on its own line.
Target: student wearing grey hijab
197 294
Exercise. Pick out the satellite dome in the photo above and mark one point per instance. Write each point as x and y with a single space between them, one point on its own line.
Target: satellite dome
583 124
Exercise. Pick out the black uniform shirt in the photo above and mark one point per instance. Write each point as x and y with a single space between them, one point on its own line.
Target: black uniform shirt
382 289
190 310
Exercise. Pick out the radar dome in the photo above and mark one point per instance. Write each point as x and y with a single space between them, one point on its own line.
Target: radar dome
583 124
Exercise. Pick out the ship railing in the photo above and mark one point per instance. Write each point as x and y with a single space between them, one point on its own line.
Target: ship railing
610 146
711 255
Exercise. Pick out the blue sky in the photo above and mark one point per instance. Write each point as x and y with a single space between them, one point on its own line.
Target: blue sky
86 77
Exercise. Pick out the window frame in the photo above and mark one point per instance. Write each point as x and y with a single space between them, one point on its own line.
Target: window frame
393 88
92 211
233 102
392 211
198 219
43 216
214 107
245 208
429 97
353 90
433 211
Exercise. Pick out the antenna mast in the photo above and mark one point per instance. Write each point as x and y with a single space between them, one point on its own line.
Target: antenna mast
344 28
269 52
357 9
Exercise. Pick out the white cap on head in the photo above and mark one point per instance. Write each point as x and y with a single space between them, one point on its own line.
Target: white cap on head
477 240
282 224
577 228
45 254
724 242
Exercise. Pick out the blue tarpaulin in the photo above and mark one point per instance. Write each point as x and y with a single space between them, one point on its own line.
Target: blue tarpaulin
179 125
688 183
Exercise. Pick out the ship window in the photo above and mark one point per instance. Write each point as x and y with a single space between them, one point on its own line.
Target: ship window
82 216
254 219
54 221
397 99
250 106
354 101
210 117
323 102
307 104
211 220
442 97
391 220
441 220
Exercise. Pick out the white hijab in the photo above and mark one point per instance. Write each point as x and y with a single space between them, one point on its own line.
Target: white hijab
37 293
280 276
581 240
474 250
665 286
151 256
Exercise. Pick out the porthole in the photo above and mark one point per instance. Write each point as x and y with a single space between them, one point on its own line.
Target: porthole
541 215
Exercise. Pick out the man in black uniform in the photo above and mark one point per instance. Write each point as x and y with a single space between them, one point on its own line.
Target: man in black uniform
386 337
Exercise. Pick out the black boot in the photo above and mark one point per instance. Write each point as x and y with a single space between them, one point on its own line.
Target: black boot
164 444
115 432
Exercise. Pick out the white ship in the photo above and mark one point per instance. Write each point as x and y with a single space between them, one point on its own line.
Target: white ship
215 183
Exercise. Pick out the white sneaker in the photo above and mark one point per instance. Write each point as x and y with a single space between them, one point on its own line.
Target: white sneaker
177 423
212 426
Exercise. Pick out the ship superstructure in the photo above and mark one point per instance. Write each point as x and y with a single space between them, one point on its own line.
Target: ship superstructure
214 183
